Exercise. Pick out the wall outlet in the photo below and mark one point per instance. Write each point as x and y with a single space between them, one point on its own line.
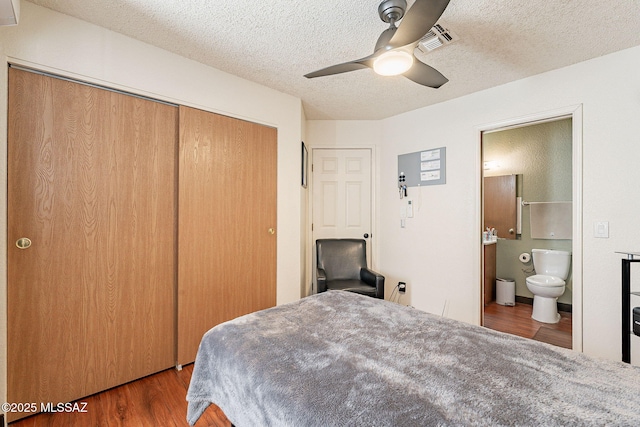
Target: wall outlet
402 287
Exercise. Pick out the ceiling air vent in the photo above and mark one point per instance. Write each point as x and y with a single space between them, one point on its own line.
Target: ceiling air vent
436 37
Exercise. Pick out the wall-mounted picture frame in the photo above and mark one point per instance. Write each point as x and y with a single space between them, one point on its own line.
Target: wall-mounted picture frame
305 165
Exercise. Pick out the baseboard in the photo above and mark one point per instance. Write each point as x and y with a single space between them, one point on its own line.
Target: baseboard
566 308
524 300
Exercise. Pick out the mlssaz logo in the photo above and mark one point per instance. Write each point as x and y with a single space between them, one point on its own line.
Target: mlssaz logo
63 407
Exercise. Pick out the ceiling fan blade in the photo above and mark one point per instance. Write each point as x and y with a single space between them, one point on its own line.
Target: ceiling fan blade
425 75
385 37
336 69
417 21
345 67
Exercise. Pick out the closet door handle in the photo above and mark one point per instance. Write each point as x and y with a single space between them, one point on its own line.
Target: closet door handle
23 243
272 231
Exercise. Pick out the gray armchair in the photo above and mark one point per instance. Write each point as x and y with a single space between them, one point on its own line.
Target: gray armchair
342 265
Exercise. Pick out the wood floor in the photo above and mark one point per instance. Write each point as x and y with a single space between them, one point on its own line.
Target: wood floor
157 400
160 399
517 320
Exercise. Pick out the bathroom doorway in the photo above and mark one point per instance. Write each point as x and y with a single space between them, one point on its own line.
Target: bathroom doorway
532 160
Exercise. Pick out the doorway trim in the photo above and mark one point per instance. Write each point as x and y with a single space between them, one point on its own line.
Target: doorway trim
575 113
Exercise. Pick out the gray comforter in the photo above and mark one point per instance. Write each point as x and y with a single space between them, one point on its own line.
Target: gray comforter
338 359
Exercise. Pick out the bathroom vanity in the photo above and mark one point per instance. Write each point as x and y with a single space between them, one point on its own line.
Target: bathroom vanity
489 271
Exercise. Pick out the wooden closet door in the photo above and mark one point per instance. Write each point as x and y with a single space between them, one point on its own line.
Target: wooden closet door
91 183
227 220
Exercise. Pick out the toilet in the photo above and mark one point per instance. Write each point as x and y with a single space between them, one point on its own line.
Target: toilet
552 268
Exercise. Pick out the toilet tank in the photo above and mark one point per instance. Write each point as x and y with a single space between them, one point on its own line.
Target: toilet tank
551 262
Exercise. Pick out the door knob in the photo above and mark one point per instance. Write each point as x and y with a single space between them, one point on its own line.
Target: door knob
366 235
23 243
272 231
511 231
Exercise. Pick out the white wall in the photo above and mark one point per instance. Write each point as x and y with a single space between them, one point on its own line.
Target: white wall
438 253
60 44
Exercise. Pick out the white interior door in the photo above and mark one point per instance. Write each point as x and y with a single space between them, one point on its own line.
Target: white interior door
341 184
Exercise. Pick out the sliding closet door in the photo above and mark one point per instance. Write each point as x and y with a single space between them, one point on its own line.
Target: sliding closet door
227 240
91 186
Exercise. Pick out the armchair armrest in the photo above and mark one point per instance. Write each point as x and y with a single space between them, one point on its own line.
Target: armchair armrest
321 278
374 279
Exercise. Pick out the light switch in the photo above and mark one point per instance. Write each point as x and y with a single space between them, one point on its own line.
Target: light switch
601 229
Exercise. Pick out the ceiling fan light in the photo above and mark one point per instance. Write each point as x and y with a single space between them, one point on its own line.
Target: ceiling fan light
393 63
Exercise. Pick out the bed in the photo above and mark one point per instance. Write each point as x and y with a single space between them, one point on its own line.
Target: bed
339 358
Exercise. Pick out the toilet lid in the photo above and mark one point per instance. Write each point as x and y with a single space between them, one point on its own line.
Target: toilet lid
544 280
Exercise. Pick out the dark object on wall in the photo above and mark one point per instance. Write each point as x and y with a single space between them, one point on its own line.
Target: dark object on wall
305 165
342 265
636 320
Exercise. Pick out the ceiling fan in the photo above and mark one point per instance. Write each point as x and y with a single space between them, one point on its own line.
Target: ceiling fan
394 50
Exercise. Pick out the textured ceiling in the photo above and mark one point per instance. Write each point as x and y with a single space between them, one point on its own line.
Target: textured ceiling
276 42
